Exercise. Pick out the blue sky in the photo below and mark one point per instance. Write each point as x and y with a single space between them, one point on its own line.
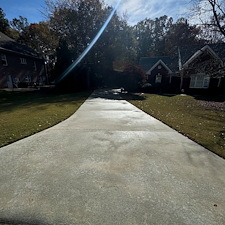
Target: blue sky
26 8
135 10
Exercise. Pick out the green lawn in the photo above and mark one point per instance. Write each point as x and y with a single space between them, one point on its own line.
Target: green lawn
26 113
201 119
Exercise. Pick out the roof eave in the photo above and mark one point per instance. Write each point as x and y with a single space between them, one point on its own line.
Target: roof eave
156 64
19 53
198 53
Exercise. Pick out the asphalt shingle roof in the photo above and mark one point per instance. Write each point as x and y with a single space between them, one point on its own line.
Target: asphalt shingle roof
186 51
146 63
7 43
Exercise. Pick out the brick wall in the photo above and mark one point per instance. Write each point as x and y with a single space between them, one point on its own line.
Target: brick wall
21 68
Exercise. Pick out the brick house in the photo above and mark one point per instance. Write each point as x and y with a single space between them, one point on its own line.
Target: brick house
197 68
162 72
202 68
20 65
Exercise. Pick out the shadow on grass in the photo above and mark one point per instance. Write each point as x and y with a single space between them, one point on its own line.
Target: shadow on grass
116 94
133 96
210 98
10 101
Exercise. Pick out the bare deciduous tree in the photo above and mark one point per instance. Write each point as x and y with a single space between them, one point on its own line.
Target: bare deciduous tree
211 14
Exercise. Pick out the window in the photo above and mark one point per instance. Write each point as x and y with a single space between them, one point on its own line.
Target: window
206 81
4 60
27 79
192 82
16 80
199 81
158 78
23 61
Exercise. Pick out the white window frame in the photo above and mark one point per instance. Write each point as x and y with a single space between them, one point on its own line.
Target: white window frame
201 79
158 78
4 60
206 81
23 61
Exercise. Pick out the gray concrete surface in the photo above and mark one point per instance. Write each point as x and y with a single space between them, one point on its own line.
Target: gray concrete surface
110 163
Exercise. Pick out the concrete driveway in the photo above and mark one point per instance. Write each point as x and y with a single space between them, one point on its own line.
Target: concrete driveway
110 163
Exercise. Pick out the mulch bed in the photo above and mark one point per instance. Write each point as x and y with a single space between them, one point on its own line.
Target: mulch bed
212 105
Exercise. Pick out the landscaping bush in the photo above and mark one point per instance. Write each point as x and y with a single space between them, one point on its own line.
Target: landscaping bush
133 78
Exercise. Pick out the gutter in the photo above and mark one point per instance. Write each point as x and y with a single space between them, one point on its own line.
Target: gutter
11 51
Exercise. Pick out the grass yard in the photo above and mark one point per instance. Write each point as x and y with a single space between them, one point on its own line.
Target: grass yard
202 120
26 113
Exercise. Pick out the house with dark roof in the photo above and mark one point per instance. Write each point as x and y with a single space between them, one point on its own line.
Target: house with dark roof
162 72
20 65
202 67
197 67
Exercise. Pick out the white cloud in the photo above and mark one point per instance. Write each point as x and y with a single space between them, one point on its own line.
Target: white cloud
138 10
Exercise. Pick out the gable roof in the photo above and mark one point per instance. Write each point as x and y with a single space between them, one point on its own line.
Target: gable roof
147 63
185 55
158 63
200 52
188 51
8 44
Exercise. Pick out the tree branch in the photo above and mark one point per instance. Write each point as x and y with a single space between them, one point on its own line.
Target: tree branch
213 3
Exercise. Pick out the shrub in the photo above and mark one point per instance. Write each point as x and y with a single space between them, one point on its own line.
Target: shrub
133 78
